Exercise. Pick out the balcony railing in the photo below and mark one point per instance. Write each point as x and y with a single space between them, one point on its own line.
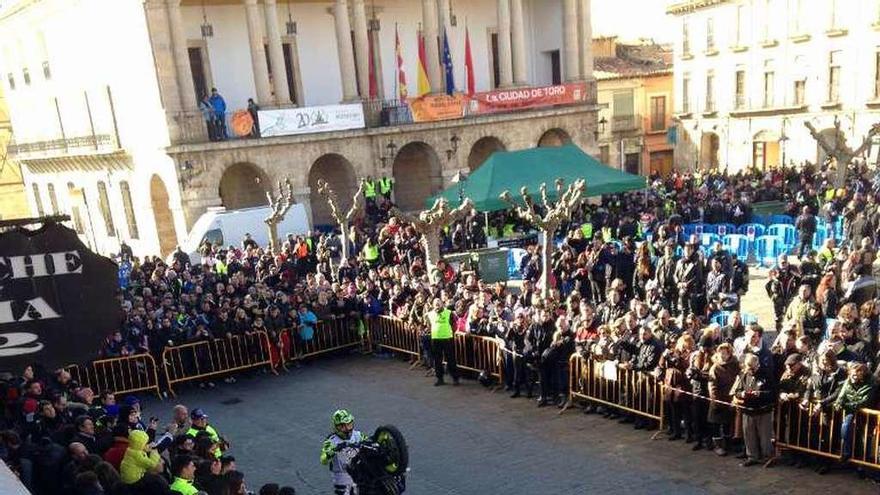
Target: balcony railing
66 145
387 113
622 123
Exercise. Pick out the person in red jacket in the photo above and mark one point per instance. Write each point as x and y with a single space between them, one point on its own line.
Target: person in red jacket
116 451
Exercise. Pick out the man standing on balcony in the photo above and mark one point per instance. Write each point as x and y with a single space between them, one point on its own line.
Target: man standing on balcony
219 106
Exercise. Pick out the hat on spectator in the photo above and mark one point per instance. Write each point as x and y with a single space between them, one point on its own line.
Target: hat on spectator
198 413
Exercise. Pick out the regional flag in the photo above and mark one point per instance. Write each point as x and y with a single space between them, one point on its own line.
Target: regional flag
424 85
468 62
401 72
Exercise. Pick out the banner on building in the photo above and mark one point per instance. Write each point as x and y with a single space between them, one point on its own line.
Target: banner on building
57 298
307 120
438 107
505 100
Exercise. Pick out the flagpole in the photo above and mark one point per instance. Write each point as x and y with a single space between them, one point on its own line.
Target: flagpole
396 63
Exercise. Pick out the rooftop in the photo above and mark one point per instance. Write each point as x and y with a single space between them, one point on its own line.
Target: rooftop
617 60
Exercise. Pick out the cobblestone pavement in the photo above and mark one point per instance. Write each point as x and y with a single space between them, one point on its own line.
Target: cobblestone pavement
467 440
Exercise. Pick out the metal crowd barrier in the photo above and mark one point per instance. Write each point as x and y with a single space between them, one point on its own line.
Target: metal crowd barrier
866 449
811 430
120 375
603 382
477 353
199 360
396 336
329 336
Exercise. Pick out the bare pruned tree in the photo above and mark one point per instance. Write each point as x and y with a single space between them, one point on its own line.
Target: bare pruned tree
839 150
280 205
567 199
343 220
430 222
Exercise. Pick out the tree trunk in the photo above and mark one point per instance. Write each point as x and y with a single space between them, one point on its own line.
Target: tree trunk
431 243
546 255
273 235
345 232
841 171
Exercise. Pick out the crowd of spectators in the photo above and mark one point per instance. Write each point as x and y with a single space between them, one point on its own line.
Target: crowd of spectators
59 437
616 297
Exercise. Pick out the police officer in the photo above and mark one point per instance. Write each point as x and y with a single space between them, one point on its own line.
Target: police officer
370 190
200 423
442 342
334 455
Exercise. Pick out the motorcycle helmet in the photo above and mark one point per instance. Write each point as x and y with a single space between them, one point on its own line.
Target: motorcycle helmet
341 417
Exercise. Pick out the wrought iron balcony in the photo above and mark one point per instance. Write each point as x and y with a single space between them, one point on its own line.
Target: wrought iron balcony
73 145
623 123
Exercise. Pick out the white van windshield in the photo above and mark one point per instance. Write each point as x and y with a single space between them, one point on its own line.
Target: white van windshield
213 236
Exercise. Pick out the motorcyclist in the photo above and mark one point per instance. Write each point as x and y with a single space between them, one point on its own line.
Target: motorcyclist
342 423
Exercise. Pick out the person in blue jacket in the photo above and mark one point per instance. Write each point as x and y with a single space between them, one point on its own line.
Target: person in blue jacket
219 106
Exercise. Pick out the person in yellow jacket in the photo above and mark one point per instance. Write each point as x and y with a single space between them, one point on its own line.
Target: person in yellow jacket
442 341
140 458
370 252
184 470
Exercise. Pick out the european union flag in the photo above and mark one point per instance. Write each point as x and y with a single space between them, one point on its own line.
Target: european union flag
447 66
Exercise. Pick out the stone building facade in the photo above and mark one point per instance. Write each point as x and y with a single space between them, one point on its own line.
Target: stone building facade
108 126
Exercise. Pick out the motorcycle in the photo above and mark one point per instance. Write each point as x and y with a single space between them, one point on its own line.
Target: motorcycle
378 464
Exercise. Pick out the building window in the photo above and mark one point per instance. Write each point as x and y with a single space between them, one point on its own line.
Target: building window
740 24
201 74
685 38
104 205
768 21
53 199
38 200
495 62
800 92
834 15
834 60
26 76
710 91
74 208
129 210
10 78
686 94
877 73
658 113
47 71
769 83
710 35
796 20
740 89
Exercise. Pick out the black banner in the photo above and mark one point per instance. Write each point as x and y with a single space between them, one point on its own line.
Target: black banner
57 298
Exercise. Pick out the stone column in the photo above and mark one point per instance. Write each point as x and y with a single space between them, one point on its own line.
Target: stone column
276 55
570 40
303 196
343 47
163 51
432 49
443 31
518 38
586 45
505 60
361 47
187 95
258 53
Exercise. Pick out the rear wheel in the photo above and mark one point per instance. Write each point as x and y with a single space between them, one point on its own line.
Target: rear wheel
394 446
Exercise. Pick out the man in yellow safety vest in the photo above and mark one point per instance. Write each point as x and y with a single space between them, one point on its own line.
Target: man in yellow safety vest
370 189
386 184
442 341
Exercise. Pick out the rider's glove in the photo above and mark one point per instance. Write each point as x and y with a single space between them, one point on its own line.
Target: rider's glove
327 452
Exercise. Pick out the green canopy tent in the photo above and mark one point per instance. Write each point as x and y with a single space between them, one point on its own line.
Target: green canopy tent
511 170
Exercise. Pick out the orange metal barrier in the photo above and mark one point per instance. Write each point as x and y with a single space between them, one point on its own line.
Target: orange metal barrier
477 353
811 429
866 438
396 335
329 336
207 358
120 375
604 383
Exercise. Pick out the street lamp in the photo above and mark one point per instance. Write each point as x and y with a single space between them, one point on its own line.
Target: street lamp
600 128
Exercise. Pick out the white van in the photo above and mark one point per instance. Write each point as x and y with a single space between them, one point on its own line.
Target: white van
228 227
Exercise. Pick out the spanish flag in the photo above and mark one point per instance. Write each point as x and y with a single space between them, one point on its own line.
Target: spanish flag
424 85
